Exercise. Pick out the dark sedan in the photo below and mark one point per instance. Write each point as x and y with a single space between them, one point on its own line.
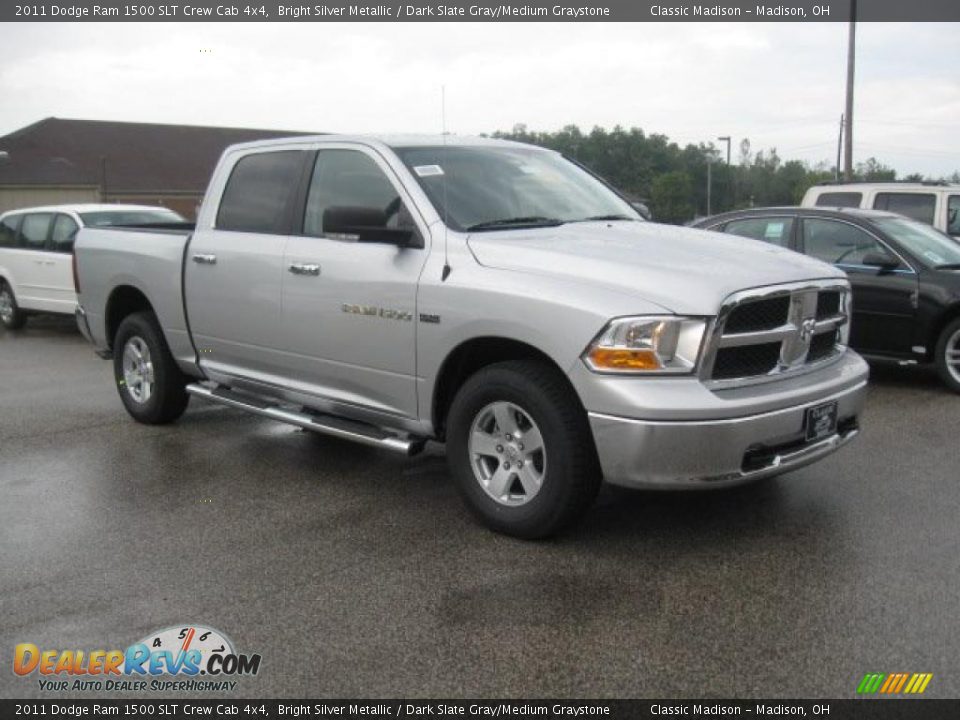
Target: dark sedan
905 276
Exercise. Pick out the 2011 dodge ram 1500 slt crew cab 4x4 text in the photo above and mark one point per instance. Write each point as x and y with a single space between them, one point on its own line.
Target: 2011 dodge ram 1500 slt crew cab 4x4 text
491 295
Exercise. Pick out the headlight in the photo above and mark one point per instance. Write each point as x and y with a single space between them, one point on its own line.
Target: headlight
647 345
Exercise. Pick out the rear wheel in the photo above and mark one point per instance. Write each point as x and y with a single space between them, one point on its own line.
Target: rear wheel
12 317
520 449
948 355
151 385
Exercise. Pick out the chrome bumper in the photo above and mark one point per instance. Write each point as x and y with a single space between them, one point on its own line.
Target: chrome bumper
718 453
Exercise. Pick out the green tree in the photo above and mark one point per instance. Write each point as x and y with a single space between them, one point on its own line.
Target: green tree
671 198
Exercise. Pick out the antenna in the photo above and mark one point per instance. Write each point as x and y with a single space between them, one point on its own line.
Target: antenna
443 125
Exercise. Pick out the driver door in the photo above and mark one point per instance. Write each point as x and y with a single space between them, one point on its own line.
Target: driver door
884 300
349 307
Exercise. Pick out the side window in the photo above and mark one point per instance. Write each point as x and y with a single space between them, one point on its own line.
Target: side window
772 230
838 242
840 199
34 231
8 230
256 196
919 206
953 215
351 180
64 233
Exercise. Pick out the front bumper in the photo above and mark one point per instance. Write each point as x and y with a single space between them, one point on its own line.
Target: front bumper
677 454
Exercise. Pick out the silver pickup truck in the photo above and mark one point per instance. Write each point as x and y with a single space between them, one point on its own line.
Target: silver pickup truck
490 295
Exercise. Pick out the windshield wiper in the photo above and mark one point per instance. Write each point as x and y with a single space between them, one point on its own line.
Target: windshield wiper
947 266
599 218
527 221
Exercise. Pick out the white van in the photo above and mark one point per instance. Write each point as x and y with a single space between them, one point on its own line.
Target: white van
36 253
936 204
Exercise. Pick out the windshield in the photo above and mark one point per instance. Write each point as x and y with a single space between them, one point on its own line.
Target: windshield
931 247
489 188
103 218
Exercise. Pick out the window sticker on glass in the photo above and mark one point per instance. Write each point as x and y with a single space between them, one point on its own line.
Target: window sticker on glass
774 230
428 170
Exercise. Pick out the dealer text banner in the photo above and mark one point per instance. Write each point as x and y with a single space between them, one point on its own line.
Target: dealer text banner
503 709
453 10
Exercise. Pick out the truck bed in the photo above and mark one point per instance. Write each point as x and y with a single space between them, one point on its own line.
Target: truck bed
131 259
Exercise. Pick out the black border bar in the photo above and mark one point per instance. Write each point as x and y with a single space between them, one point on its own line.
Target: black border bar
479 11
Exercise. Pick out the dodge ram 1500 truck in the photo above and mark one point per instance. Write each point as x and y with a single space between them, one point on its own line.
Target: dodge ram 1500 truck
490 295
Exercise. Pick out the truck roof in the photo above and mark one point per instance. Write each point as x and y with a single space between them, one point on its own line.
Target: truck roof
394 141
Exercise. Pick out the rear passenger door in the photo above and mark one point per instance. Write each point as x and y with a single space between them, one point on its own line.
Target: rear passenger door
234 268
34 267
349 307
883 299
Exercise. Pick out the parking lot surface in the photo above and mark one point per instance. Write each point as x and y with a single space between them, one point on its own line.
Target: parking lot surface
354 572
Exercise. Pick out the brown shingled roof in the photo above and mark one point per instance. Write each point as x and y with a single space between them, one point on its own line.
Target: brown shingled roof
140 157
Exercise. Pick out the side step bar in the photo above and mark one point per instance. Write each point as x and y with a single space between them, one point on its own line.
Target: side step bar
326 424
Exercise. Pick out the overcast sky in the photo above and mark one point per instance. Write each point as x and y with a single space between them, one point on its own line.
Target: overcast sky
780 85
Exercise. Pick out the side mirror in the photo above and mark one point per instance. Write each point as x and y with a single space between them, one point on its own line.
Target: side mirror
881 260
363 224
642 209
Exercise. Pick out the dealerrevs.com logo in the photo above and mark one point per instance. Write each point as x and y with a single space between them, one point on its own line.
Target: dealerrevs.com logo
187 658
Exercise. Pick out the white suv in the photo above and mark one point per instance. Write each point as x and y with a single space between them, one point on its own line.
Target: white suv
936 204
36 251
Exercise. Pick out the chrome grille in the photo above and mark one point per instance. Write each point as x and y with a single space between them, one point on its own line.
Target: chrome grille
770 332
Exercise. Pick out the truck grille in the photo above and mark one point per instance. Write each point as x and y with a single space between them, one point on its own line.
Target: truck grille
771 332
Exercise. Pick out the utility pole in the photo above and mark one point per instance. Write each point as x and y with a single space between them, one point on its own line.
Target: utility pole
836 173
848 116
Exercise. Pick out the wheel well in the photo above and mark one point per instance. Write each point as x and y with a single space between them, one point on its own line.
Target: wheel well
124 300
948 317
469 357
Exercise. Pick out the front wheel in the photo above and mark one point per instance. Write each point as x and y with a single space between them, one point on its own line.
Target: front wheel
151 385
948 355
12 317
520 449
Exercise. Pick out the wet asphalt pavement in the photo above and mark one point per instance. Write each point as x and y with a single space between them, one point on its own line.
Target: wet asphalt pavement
357 573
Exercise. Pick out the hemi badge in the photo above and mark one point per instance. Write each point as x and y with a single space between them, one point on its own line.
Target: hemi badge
429 318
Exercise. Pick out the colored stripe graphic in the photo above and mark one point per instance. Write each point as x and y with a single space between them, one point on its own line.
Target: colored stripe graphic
894 683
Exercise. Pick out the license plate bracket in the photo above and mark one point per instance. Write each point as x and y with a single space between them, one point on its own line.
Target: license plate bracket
820 421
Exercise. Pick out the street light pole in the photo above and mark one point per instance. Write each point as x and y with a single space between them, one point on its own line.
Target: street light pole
709 185
848 116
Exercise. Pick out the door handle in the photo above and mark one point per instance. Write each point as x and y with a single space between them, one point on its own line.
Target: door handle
205 259
304 269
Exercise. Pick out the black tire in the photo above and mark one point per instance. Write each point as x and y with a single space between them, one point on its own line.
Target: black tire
167 397
949 342
571 473
16 318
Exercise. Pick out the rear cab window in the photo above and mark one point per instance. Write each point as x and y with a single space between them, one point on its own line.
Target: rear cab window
775 230
918 206
840 199
260 191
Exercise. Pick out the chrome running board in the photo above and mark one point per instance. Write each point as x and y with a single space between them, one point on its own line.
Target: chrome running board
315 422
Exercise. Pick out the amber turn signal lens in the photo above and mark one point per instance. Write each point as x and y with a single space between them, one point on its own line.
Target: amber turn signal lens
624 359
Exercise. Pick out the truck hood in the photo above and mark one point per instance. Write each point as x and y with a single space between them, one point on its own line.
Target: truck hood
683 270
